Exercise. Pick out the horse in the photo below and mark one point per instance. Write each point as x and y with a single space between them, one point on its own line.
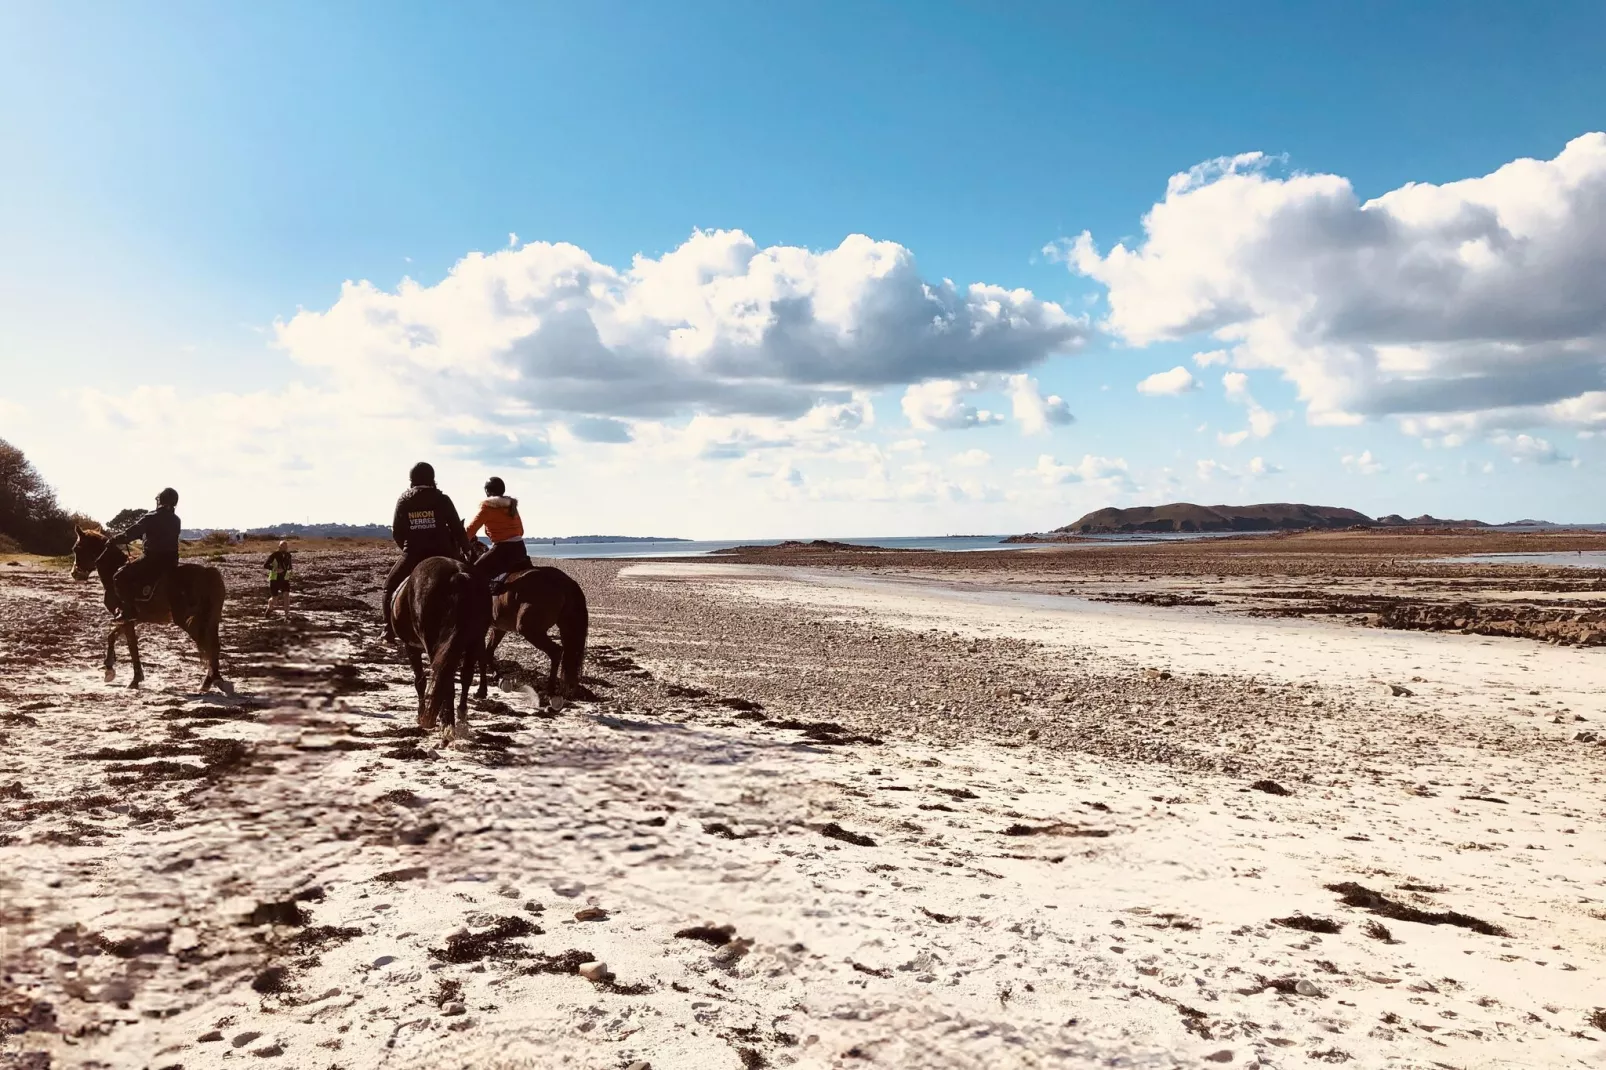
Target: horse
199 604
530 603
441 610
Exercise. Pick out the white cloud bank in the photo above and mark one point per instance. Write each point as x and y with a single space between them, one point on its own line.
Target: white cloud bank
718 325
1477 305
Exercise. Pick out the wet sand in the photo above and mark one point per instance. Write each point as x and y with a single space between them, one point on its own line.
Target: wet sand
919 815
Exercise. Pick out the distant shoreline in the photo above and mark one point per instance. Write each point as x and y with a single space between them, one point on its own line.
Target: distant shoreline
382 531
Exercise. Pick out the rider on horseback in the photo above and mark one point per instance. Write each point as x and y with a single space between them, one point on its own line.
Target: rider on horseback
499 516
137 580
426 524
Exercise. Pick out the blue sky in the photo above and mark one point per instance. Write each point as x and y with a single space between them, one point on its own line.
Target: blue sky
184 178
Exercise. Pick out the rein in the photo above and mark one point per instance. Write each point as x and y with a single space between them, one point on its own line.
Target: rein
110 560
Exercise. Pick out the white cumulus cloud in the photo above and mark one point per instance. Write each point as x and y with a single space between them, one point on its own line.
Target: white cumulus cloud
940 405
1476 296
1034 412
1529 449
1362 463
1107 471
1261 421
1178 380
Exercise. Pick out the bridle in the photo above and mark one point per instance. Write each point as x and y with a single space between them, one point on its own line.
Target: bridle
81 573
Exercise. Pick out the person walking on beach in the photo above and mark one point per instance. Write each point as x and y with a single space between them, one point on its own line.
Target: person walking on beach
426 524
499 516
278 566
159 529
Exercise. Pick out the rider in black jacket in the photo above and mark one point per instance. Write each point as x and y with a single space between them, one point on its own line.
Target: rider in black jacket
159 528
426 524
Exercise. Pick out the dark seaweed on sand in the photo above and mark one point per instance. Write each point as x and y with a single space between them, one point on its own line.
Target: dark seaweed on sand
1309 924
1355 895
492 943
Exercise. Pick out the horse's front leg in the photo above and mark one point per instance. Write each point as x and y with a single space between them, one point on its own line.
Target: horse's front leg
110 662
133 655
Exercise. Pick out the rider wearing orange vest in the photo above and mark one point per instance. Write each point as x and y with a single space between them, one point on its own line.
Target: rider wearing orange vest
499 516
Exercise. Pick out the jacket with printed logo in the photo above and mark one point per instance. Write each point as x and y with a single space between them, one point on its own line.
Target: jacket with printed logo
427 522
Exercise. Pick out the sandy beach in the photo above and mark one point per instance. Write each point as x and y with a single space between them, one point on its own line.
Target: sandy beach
836 811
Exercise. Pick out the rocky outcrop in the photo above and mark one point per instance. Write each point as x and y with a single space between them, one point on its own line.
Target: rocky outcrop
1563 626
1395 520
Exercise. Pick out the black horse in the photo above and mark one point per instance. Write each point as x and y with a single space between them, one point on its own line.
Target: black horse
441 610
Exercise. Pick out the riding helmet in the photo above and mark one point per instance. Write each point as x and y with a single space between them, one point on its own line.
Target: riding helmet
495 487
168 497
422 474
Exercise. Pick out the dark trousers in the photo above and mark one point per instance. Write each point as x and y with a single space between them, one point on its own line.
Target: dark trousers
136 577
403 568
502 558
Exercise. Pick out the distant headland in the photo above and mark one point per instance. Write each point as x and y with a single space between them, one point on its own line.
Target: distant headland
1185 517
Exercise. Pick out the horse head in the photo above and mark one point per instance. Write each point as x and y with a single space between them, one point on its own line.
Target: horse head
86 551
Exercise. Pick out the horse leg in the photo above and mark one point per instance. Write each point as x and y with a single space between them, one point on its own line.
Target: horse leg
204 632
492 641
214 654
133 655
196 630
459 729
110 663
426 720
544 643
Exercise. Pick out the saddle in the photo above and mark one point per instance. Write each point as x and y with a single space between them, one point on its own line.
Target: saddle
500 581
148 591
164 591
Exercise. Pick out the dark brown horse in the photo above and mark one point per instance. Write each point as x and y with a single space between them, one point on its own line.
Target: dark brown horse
441 610
191 597
531 604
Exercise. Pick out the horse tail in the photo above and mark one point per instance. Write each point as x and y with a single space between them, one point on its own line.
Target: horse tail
573 625
448 657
